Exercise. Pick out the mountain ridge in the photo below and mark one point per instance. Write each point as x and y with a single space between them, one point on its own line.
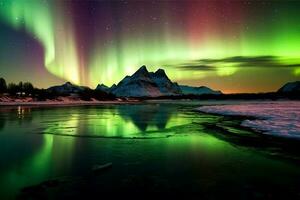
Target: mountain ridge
192 90
67 88
290 87
141 83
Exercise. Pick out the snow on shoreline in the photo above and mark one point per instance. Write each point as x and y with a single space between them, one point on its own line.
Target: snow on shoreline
61 103
280 118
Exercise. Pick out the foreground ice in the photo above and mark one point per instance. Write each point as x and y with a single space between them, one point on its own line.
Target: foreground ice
275 118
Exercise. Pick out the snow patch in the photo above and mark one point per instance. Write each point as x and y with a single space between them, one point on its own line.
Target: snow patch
274 118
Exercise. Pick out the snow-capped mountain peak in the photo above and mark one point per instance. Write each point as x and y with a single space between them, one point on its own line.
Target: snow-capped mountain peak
146 84
143 83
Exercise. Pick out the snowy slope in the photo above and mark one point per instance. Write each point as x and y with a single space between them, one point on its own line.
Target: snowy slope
197 90
290 87
66 88
146 84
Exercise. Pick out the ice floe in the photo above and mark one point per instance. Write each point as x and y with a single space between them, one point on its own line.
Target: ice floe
280 118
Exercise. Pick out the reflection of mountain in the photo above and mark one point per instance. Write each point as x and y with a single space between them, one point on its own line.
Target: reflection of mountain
144 116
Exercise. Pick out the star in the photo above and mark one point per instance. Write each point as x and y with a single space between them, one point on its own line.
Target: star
153 18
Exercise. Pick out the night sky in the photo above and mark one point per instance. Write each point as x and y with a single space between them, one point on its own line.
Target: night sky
233 46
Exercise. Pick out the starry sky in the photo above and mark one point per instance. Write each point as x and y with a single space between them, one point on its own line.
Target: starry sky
233 46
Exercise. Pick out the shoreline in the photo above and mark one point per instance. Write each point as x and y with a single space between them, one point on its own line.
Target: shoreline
136 101
64 103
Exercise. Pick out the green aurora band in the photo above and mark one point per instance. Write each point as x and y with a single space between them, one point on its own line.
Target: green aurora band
164 42
54 34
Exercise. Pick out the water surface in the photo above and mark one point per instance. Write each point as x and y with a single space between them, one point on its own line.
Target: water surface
153 147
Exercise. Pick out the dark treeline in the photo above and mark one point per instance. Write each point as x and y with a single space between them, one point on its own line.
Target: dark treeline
3 86
26 89
23 89
20 89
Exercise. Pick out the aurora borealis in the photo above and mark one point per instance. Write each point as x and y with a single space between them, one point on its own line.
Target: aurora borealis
234 46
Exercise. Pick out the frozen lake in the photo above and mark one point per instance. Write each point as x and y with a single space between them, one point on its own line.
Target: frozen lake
157 147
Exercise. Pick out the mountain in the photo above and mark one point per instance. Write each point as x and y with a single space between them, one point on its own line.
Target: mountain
103 88
146 84
112 87
291 87
189 90
165 85
67 88
140 84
